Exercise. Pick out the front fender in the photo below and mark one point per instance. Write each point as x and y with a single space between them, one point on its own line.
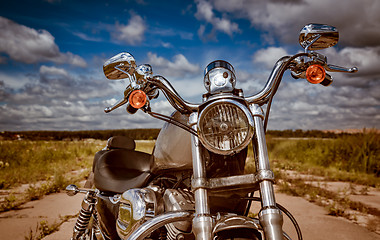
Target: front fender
159 221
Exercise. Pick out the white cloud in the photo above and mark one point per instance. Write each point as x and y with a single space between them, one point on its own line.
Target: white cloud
300 105
205 12
53 71
179 67
133 32
367 59
27 45
357 21
269 56
85 37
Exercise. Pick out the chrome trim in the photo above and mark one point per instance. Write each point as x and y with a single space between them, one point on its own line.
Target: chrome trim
250 129
271 220
222 79
215 97
178 200
136 206
334 68
271 217
236 222
309 35
172 93
125 64
202 222
72 190
159 221
265 174
219 63
261 97
85 214
143 72
256 110
222 184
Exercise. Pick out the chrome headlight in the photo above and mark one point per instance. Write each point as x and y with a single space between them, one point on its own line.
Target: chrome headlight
225 127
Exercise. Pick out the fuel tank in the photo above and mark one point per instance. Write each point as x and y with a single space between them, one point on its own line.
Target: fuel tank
173 147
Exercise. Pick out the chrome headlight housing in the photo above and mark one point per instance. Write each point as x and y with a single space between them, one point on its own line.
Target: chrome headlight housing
225 126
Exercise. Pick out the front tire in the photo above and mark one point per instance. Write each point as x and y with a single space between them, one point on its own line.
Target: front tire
238 234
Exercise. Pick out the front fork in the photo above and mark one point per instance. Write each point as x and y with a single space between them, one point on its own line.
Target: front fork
270 216
202 221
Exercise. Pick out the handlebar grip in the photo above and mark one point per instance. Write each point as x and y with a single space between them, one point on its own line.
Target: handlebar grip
131 109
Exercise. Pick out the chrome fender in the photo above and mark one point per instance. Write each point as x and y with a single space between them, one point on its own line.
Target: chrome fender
159 221
236 222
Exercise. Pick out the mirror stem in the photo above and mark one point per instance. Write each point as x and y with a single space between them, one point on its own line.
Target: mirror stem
131 78
312 42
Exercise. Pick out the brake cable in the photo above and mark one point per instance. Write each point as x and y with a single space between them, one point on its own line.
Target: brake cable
277 84
284 210
172 121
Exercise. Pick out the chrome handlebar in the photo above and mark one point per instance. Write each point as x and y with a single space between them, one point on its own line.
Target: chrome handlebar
259 98
276 73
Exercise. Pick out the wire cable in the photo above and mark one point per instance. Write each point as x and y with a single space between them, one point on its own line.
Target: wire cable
287 213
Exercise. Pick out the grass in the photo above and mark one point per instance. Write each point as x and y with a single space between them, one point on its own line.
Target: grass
352 158
45 164
336 203
44 228
32 161
145 145
35 192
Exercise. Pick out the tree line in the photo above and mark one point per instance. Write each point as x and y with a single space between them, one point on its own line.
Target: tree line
148 134
138 134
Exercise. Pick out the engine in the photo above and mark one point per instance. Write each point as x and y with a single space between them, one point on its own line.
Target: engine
139 205
178 200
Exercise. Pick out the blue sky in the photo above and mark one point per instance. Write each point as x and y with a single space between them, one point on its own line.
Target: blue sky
52 52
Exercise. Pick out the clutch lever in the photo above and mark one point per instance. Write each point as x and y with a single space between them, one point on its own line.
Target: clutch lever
334 68
116 105
120 103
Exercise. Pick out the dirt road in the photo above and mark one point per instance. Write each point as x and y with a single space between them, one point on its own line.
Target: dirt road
313 220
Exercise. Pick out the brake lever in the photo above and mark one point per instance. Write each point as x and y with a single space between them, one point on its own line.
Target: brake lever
116 105
334 68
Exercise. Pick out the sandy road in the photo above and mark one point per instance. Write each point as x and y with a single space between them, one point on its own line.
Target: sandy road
313 220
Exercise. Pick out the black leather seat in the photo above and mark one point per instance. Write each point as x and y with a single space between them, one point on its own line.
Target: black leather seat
119 169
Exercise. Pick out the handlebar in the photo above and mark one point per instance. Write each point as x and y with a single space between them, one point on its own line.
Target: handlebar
260 98
274 76
172 95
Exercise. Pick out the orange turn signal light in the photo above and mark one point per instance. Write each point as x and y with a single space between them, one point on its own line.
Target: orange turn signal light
137 99
315 74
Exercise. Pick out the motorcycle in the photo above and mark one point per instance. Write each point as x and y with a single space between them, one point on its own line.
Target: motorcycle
193 185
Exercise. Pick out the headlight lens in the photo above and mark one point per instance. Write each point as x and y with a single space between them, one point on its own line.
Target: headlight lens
225 127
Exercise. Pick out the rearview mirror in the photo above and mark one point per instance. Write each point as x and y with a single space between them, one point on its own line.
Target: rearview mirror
119 66
318 36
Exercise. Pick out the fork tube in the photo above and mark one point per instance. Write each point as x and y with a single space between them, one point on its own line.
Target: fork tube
270 216
202 221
